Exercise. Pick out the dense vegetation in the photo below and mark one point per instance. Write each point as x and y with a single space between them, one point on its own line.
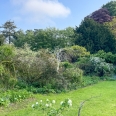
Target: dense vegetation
54 61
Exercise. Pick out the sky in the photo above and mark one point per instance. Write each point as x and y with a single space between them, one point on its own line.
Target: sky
41 14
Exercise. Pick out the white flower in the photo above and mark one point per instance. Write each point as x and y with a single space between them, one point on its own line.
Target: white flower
40 101
36 103
32 106
53 101
47 100
61 102
47 105
19 96
69 101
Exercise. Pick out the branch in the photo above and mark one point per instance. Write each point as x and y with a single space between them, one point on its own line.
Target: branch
81 105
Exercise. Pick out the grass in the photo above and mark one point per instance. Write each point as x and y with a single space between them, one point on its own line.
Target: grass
104 105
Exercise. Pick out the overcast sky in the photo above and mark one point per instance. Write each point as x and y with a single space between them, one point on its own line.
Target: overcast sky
40 14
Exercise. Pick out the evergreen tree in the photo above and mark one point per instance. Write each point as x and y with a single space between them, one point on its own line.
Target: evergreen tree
9 30
94 36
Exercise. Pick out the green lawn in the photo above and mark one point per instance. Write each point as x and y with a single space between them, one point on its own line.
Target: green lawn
105 105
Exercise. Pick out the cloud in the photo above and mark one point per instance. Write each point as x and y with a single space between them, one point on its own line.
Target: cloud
41 10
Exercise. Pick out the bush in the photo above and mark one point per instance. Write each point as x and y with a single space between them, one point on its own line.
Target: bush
73 75
95 66
6 52
7 79
108 56
72 54
36 68
7 69
101 67
85 64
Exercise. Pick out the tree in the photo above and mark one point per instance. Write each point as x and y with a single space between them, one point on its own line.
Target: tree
94 36
67 36
9 30
111 7
20 38
102 15
51 38
112 25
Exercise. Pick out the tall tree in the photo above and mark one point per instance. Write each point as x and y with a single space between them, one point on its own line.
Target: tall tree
102 15
8 30
94 37
111 7
20 38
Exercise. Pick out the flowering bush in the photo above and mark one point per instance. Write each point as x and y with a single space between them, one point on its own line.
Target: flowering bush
36 68
101 67
95 66
49 109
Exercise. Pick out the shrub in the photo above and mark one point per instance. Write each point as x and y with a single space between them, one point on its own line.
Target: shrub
85 64
73 75
7 79
101 67
66 65
6 52
96 66
108 56
7 69
35 68
71 54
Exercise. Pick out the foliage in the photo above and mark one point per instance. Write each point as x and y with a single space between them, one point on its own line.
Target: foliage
9 30
72 53
45 38
52 38
94 37
108 56
7 78
36 68
96 66
7 69
101 68
6 52
66 65
102 15
12 96
89 80
21 38
111 7
85 64
74 75
49 109
111 25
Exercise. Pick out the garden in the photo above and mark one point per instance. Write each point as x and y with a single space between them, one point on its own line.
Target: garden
52 72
